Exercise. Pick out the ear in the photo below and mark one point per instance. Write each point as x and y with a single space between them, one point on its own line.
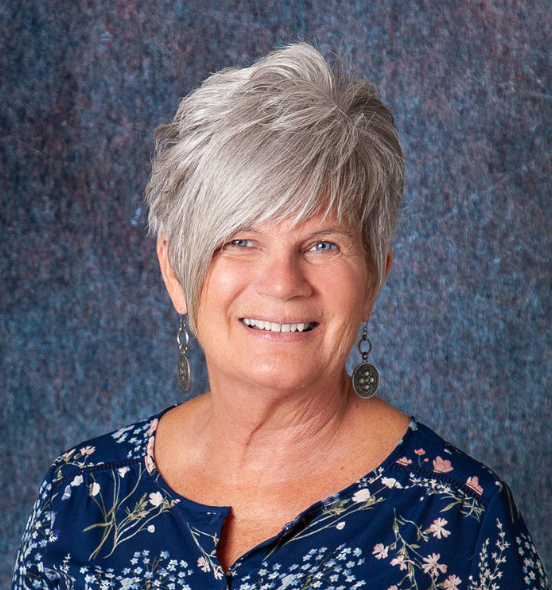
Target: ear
388 262
176 292
371 299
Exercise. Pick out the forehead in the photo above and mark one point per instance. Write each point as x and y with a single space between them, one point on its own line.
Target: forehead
317 224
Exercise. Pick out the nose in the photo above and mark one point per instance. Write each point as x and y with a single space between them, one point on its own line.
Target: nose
282 275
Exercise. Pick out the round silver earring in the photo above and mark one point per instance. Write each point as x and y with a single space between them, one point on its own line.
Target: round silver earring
366 375
184 377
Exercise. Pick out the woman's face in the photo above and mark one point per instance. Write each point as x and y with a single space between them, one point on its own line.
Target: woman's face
281 306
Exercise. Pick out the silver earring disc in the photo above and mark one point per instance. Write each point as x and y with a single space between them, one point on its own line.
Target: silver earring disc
366 379
184 379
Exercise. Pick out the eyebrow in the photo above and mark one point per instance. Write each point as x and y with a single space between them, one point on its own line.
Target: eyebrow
333 230
322 232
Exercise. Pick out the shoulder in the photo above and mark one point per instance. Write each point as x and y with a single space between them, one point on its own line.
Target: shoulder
428 459
116 449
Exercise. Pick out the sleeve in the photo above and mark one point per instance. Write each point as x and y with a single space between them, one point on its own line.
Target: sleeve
505 557
29 572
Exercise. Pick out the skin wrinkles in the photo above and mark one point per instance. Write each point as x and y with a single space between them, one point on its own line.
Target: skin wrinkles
281 414
279 277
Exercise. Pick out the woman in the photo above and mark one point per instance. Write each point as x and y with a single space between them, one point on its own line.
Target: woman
274 197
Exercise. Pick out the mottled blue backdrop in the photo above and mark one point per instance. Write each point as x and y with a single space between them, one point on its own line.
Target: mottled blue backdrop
461 332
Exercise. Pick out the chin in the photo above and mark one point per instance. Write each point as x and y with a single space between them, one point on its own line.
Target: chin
283 378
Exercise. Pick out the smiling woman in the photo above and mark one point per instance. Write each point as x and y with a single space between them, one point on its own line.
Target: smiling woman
274 197
276 276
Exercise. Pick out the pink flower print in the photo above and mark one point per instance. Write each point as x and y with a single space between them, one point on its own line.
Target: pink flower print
153 427
432 565
441 465
438 528
87 450
203 565
404 461
473 483
67 455
380 551
218 573
419 452
400 561
150 463
452 583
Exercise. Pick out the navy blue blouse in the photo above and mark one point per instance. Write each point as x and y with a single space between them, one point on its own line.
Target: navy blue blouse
428 517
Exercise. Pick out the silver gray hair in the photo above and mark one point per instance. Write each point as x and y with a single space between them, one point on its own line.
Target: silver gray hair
286 138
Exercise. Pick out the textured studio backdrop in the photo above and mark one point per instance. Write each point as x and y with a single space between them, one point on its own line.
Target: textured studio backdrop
461 331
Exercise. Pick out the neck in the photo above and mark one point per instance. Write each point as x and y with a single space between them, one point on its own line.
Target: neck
253 429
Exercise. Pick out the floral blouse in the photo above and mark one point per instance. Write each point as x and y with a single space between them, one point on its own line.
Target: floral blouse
429 517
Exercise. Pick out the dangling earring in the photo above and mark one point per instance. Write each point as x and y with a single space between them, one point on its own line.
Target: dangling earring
366 375
184 377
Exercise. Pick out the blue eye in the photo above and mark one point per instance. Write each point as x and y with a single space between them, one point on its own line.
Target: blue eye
324 247
240 243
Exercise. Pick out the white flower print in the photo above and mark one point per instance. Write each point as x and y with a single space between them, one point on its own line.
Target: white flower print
437 529
390 482
322 568
145 571
362 495
136 437
77 480
156 499
94 489
416 546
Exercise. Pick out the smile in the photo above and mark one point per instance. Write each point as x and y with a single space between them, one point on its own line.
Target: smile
276 327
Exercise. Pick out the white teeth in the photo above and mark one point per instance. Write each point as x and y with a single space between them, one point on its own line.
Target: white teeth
275 327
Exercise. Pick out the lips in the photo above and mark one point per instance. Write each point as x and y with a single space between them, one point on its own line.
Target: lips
278 327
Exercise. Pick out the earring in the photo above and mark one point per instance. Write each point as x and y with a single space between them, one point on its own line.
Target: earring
184 377
365 376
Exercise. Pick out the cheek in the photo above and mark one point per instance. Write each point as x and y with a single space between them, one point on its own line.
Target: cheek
350 289
221 290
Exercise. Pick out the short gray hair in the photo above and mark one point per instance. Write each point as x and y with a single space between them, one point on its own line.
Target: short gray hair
286 138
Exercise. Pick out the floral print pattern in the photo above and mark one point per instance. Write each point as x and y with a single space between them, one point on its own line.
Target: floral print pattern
429 517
